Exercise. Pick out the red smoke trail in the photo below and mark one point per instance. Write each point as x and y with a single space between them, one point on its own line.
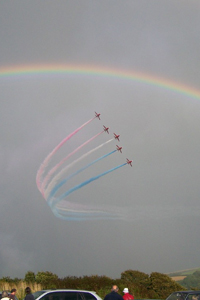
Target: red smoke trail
53 170
47 159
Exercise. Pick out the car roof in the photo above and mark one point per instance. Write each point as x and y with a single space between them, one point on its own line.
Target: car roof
186 292
68 290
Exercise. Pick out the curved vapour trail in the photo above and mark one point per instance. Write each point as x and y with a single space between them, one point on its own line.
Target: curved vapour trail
87 214
67 214
56 178
47 159
58 186
53 170
49 186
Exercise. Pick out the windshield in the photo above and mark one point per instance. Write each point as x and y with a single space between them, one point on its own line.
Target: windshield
177 296
193 296
38 293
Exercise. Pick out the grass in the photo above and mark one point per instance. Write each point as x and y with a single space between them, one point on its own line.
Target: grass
183 272
20 287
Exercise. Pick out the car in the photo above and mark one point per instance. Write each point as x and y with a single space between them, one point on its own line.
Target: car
66 294
184 295
39 293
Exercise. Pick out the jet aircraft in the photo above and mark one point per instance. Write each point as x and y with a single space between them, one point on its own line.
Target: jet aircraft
105 129
129 162
119 148
97 115
116 136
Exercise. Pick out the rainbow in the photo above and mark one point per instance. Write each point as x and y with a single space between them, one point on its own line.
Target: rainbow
99 71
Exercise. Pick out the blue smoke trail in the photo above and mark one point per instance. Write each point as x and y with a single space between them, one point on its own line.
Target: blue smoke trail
56 188
57 200
57 177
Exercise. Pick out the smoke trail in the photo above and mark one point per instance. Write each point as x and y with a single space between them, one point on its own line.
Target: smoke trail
55 179
48 184
56 188
53 170
47 159
55 201
73 215
80 212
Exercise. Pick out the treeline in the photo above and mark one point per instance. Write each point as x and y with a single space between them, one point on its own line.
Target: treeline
153 286
191 281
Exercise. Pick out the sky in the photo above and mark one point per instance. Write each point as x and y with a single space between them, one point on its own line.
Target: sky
137 63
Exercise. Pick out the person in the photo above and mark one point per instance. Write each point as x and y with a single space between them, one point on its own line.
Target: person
13 294
4 295
127 296
114 294
195 297
28 296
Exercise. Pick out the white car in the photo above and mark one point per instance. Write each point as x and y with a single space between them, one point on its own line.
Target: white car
39 293
67 294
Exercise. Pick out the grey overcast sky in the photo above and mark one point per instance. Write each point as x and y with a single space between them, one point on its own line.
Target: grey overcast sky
159 130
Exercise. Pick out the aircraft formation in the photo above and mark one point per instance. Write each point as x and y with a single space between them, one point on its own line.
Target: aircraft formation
51 178
116 136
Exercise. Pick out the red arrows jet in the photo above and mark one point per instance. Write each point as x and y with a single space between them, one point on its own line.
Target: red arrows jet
105 129
97 115
116 136
119 148
129 162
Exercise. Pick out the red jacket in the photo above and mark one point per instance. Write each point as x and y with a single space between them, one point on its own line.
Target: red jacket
128 296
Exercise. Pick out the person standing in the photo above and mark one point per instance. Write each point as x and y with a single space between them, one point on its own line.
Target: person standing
28 296
127 296
13 294
114 294
5 296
